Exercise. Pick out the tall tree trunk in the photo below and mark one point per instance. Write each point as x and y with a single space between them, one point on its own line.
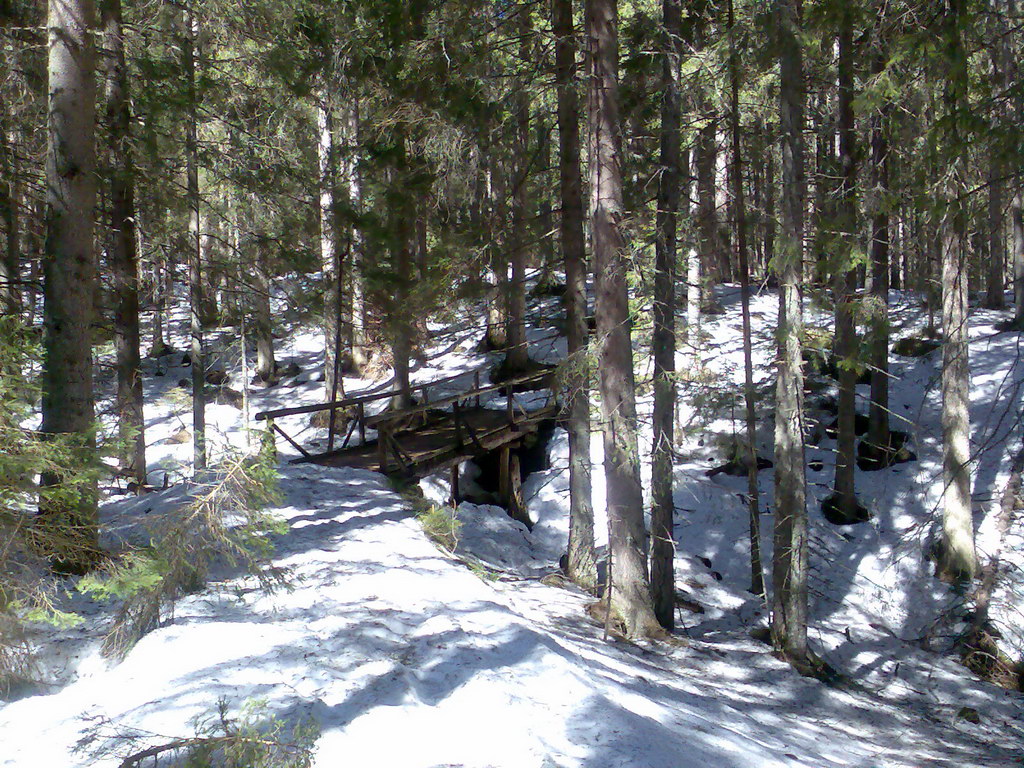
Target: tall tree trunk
996 236
263 320
35 235
69 522
878 419
705 160
189 56
1017 216
400 325
544 229
958 560
496 269
844 280
330 239
517 359
1017 204
356 331
582 561
663 343
121 255
10 209
769 210
629 585
749 392
994 298
789 562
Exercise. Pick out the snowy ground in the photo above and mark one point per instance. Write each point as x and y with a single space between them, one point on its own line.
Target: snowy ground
404 656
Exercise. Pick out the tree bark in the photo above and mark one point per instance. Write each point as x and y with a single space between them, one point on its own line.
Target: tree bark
958 561
517 359
331 255
994 298
663 342
355 332
844 279
582 560
10 209
197 353
705 160
400 325
878 419
496 270
545 235
789 562
1017 216
123 248
749 392
263 319
69 279
629 584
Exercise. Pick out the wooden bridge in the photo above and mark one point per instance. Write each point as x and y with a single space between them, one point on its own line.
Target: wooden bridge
434 433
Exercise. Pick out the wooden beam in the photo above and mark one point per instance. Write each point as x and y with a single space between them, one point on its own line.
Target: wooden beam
298 447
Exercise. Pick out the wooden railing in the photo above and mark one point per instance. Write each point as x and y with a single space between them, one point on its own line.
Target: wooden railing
389 423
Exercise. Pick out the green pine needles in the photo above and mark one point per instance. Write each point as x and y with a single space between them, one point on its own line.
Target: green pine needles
254 737
226 523
28 593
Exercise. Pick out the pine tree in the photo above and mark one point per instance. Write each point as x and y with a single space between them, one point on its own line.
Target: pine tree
958 559
629 584
69 277
663 342
581 559
789 562
122 250
188 29
749 393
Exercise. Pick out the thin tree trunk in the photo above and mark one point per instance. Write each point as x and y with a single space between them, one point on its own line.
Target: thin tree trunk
629 585
10 209
263 321
994 298
789 563
35 234
189 55
878 419
769 210
845 280
582 561
496 270
356 331
663 343
1017 204
402 261
705 159
1017 215
330 245
69 524
749 392
996 237
161 286
517 357
121 255
546 253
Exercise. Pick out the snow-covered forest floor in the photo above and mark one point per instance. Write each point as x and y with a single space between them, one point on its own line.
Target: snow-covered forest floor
401 654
